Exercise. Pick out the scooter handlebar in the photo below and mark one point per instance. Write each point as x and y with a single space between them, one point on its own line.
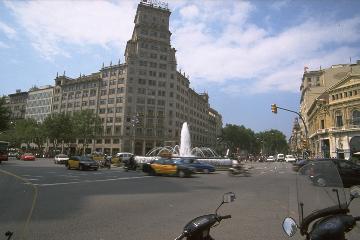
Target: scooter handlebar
223 217
181 236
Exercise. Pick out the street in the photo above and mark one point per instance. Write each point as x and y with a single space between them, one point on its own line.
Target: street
113 204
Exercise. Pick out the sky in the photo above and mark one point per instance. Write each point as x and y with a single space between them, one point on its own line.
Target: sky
245 54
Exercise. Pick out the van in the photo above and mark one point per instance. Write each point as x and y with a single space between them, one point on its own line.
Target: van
280 157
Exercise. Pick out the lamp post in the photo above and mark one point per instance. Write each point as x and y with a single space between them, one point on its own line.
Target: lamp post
134 122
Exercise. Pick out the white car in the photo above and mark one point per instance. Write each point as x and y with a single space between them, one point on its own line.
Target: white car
61 159
280 157
290 158
270 159
124 156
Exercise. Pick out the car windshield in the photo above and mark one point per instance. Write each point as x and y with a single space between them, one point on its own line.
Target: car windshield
131 117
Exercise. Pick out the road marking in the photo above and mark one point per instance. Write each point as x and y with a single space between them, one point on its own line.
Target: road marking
88 181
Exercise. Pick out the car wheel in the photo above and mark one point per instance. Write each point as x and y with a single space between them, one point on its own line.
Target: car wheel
206 171
81 167
321 182
96 169
181 174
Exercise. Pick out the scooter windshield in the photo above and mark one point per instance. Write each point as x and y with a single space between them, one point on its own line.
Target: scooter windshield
320 191
17 201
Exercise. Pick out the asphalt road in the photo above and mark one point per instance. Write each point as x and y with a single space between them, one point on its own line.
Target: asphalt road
113 204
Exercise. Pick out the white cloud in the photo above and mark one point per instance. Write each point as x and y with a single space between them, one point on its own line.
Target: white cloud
9 31
189 11
243 57
3 45
53 24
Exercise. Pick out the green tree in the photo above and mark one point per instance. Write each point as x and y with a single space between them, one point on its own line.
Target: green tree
239 137
58 128
86 126
4 116
25 130
272 142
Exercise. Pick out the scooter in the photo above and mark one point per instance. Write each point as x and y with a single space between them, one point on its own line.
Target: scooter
239 170
199 227
128 166
323 210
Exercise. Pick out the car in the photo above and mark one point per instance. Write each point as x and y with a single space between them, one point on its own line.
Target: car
270 159
199 167
280 157
61 159
82 163
349 172
165 166
121 156
27 157
290 158
299 164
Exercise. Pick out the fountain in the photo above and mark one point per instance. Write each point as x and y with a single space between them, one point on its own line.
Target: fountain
202 154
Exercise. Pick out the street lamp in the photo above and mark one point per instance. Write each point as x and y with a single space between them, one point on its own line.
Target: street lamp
134 122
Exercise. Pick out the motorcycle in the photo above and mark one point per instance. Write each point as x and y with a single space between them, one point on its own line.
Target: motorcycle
199 227
238 170
130 165
322 207
106 162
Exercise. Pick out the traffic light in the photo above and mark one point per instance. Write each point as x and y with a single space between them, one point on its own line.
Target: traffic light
274 108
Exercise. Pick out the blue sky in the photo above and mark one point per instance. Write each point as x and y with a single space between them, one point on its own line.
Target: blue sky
245 54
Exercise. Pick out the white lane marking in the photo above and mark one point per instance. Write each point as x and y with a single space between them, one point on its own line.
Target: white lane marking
32 179
88 181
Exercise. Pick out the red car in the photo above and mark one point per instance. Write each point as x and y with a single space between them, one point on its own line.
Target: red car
27 157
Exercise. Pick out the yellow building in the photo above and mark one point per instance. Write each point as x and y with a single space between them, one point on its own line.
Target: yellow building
334 119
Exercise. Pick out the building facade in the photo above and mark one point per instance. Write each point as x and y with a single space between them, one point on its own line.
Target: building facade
39 103
295 141
17 104
143 102
334 118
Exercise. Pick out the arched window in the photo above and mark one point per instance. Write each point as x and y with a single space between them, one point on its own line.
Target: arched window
338 119
356 117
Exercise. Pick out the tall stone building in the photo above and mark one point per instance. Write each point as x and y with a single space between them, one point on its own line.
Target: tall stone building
38 104
17 104
144 101
331 110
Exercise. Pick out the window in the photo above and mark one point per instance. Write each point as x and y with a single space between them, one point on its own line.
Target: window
110 110
92 92
99 141
143 63
102 110
356 117
162 66
120 90
153 55
153 64
84 103
117 129
163 57
152 82
121 81
108 141
151 101
152 73
111 100
338 118
142 81
142 72
118 119
91 102
119 99
103 92
109 120
118 109
112 91
102 102
116 141
322 124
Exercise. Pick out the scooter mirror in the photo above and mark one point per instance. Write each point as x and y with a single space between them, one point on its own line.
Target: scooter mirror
229 197
355 192
289 226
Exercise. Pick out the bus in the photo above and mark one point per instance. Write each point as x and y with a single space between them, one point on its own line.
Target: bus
4 146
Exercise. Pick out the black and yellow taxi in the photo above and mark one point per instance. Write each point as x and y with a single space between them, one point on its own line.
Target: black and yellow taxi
168 166
82 163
